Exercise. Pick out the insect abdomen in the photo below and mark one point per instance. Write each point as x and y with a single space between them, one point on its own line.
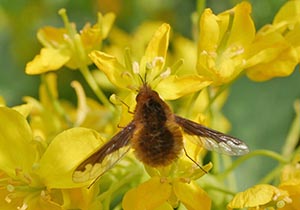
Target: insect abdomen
158 147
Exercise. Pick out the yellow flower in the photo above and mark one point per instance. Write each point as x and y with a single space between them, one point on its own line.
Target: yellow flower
260 197
228 44
150 69
275 51
33 173
290 182
223 40
50 115
288 18
65 46
293 188
184 50
291 171
166 189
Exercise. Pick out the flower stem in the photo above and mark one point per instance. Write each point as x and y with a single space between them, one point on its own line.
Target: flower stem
219 189
201 5
240 160
294 133
94 86
270 176
55 102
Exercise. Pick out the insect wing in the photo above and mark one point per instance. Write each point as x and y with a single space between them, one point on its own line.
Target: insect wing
213 140
105 157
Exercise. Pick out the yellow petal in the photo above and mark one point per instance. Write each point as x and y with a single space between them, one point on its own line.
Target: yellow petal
270 56
16 149
283 65
290 11
159 43
165 206
81 198
66 151
174 87
41 202
293 38
52 37
222 43
24 109
92 37
49 59
186 50
242 20
209 32
107 23
256 196
157 47
115 72
192 196
149 195
293 188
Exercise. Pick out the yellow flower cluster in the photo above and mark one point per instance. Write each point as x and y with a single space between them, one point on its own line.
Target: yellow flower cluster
265 196
43 141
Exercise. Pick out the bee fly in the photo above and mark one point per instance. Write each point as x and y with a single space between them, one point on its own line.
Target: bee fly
155 135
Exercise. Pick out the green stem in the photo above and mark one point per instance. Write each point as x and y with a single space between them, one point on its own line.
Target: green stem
294 133
270 176
94 86
219 189
227 160
212 99
55 102
240 160
190 104
201 4
82 58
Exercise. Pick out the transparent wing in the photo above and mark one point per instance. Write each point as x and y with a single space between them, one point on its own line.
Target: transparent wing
105 157
213 140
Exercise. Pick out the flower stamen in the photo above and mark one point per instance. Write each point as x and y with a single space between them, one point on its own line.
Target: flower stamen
157 59
23 207
135 67
166 73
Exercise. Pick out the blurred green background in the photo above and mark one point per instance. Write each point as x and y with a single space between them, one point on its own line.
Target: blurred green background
260 113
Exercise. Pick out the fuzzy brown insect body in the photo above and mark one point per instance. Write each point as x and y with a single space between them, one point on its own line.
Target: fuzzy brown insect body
157 139
155 134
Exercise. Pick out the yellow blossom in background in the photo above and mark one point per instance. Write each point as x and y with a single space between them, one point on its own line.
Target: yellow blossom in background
275 49
223 40
185 50
51 115
151 69
137 41
260 197
228 44
293 188
290 181
285 196
65 46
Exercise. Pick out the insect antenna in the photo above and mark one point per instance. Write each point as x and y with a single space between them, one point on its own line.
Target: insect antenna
197 164
144 80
